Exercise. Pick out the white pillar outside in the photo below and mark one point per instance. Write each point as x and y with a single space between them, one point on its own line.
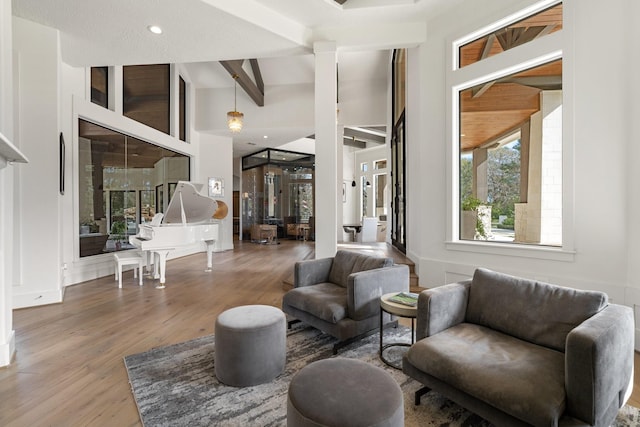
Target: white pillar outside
326 181
551 196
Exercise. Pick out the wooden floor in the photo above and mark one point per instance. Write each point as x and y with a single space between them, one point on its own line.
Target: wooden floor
68 369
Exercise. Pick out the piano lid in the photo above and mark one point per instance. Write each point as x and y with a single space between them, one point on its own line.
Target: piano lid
187 205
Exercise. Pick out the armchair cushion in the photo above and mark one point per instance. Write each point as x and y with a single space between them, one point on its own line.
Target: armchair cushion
533 311
523 379
347 262
325 301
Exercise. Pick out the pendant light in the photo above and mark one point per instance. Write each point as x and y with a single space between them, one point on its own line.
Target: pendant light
234 118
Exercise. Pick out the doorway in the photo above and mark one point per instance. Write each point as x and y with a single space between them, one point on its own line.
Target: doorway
398 153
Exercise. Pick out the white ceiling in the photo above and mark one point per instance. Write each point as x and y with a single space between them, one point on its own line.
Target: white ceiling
199 33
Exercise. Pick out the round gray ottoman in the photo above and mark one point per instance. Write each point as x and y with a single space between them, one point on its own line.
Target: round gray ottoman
250 345
346 393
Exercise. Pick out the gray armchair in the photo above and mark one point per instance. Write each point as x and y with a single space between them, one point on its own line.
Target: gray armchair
341 295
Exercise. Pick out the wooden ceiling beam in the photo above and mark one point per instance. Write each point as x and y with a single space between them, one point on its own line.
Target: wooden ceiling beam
486 50
234 68
257 75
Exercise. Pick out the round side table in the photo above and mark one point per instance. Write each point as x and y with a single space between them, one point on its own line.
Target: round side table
400 310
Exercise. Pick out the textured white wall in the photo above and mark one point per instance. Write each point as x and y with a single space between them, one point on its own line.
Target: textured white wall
7 337
37 238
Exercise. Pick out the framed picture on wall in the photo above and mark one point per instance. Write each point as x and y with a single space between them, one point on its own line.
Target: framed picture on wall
216 187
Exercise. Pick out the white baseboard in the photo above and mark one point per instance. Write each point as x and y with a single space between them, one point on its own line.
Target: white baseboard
34 299
7 350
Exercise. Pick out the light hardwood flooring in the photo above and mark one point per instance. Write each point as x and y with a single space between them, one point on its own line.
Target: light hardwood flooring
69 370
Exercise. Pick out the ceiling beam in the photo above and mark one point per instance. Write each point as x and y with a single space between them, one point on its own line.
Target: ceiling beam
234 68
487 46
512 37
257 75
538 82
352 142
363 135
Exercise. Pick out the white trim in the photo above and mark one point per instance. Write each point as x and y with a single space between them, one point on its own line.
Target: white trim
8 349
512 250
34 299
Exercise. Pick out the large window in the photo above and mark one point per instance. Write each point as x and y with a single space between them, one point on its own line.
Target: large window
119 177
509 136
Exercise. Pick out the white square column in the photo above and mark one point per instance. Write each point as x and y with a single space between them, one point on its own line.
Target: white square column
326 172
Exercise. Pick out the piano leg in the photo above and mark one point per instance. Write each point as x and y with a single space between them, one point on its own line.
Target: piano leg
162 261
146 260
209 255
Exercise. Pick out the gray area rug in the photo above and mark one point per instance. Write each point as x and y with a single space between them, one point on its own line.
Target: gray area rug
176 385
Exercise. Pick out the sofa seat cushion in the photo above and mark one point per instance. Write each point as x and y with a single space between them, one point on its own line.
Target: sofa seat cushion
519 378
325 301
347 262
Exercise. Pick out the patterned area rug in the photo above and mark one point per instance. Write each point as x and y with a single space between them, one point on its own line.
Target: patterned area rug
176 385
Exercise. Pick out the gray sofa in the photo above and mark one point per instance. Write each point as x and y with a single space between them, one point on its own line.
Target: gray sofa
341 295
519 352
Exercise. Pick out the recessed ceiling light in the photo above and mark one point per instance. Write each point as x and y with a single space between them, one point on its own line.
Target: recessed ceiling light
155 29
266 136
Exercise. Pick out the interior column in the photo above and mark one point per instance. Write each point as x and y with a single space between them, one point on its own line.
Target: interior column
326 179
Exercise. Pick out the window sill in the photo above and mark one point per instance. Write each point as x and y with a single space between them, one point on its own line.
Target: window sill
512 250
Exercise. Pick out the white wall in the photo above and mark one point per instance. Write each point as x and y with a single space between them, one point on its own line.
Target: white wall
286 106
597 130
37 274
7 335
215 160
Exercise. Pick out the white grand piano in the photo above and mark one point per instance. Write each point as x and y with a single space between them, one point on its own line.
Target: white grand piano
188 220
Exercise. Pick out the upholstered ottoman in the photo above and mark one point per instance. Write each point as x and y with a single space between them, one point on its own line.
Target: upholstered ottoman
250 345
346 393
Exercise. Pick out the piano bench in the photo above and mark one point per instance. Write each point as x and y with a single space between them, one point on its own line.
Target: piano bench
128 258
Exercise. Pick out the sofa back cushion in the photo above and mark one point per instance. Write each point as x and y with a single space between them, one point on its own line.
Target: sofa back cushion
347 262
537 312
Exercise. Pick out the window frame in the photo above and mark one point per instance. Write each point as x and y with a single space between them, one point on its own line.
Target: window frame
531 54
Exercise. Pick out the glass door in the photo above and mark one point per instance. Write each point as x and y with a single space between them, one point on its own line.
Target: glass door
398 203
398 153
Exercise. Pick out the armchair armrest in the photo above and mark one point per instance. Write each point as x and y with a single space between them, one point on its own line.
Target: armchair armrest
441 308
365 288
311 272
599 363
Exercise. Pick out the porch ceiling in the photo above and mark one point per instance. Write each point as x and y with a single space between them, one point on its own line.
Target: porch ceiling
493 109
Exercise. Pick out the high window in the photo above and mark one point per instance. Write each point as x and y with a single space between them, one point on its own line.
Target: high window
509 142
145 95
100 86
